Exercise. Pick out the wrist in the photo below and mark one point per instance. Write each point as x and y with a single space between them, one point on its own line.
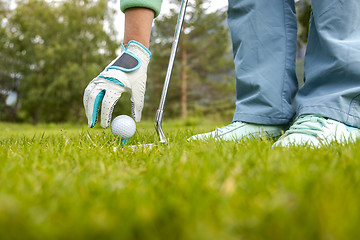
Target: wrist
138 23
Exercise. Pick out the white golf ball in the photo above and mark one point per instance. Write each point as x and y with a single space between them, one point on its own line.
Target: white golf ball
123 126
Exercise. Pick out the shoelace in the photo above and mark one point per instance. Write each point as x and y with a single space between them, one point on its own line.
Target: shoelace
310 125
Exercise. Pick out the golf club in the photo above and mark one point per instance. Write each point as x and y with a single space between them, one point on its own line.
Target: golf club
160 112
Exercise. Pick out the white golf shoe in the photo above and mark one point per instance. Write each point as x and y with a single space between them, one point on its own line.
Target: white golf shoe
316 131
240 130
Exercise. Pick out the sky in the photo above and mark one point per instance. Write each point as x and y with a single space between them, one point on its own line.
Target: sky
119 18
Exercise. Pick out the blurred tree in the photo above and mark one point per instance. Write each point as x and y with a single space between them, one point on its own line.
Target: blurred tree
61 46
203 66
8 80
303 9
3 72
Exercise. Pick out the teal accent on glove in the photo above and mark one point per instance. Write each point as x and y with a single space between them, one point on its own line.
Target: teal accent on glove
114 80
97 102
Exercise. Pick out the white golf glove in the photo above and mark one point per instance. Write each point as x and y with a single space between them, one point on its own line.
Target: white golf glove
126 73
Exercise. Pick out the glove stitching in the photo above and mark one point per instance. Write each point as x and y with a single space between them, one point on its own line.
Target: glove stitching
111 111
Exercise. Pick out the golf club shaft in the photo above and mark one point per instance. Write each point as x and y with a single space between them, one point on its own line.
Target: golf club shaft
160 112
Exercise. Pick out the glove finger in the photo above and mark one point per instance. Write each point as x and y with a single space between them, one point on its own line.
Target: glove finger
137 105
107 106
95 98
87 93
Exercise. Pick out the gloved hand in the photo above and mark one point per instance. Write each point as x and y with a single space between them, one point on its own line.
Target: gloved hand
126 73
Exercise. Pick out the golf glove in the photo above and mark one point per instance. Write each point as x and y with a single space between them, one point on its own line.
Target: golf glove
126 73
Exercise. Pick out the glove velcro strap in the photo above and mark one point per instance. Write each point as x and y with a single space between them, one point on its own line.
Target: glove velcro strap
127 62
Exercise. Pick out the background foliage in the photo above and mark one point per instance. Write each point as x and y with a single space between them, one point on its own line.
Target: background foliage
57 48
50 50
203 70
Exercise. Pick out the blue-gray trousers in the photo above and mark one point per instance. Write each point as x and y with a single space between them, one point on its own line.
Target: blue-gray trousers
264 34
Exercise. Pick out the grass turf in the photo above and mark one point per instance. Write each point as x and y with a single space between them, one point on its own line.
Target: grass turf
66 182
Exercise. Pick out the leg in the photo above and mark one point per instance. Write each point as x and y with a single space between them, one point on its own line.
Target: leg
263 33
329 102
332 63
264 41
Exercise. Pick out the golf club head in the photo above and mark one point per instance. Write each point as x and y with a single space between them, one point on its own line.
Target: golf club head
158 125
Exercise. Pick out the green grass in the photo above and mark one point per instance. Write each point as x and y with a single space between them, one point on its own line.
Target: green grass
66 182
